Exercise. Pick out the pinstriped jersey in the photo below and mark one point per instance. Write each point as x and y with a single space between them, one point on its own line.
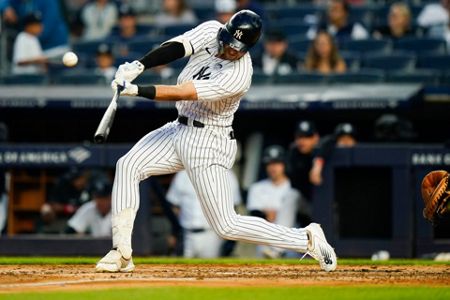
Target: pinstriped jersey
220 84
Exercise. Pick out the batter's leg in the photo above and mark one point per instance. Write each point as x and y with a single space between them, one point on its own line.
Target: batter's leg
214 191
153 155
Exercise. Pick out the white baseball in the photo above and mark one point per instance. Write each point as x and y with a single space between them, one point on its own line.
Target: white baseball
70 59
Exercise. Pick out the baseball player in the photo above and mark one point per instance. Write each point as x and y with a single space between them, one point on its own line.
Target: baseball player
196 231
200 140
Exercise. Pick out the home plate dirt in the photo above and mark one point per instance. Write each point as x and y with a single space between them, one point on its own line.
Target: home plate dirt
22 278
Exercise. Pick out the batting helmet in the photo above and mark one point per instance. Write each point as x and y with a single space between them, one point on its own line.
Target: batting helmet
241 32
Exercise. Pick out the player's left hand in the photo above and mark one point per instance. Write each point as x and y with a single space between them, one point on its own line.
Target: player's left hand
128 89
129 71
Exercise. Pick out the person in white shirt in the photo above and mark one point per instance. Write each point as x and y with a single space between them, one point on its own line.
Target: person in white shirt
98 17
175 12
274 198
28 57
199 238
94 217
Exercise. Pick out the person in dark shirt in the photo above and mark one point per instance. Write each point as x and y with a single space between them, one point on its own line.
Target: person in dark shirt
127 31
276 58
344 136
300 157
69 192
338 23
399 23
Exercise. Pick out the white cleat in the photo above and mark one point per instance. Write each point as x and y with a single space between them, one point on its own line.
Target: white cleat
114 262
319 248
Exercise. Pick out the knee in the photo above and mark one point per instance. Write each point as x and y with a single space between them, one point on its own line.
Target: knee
225 230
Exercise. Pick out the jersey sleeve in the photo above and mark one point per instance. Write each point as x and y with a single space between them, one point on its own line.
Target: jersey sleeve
202 34
229 83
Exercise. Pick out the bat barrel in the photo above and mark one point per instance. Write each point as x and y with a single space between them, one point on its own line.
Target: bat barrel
101 134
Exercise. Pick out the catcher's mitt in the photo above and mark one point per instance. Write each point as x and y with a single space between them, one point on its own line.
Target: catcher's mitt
435 194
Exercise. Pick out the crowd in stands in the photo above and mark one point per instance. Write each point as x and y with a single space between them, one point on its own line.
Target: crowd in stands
383 40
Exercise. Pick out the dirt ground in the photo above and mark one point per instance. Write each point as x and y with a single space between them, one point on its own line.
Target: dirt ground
23 278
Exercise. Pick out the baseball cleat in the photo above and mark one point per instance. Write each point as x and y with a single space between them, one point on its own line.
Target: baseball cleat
114 262
319 249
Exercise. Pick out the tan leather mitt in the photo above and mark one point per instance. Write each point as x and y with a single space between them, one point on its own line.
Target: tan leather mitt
435 194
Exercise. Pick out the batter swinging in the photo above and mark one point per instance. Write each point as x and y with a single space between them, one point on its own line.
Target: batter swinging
201 140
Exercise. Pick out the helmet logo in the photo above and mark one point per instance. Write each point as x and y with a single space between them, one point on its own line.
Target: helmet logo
238 34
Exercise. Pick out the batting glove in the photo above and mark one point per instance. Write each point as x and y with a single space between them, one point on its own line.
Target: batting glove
129 71
128 89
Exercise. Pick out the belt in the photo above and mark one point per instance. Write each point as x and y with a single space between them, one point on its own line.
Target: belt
185 121
196 230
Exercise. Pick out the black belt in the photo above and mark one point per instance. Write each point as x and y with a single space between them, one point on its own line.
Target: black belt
185 120
196 230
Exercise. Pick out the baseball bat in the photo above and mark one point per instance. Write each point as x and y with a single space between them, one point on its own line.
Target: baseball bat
103 129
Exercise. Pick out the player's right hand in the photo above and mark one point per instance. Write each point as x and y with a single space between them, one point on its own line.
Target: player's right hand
129 71
128 89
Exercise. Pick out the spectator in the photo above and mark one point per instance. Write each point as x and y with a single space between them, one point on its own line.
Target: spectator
323 55
105 62
98 17
273 198
199 238
54 36
276 59
338 24
344 136
436 18
224 10
69 192
399 23
3 183
127 31
28 57
94 217
300 157
175 12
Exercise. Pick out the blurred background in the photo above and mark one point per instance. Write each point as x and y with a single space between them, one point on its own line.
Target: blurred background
347 112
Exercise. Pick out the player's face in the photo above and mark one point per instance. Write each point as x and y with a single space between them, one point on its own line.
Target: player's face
230 53
275 170
306 144
346 141
103 205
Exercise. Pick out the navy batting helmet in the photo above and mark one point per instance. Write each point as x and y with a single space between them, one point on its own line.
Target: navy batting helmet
242 31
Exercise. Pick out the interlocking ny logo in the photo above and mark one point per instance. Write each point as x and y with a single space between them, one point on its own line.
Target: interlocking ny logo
238 34
202 75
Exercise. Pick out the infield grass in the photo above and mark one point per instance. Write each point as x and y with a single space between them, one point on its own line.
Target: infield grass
285 293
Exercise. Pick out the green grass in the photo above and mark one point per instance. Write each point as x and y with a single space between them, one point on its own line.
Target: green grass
169 260
285 293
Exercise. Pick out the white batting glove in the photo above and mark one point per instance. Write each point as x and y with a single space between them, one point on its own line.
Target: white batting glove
128 89
129 71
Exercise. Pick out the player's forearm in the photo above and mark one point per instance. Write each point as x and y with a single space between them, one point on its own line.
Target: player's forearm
185 91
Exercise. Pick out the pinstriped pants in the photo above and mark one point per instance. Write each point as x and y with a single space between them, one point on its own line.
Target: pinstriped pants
206 153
